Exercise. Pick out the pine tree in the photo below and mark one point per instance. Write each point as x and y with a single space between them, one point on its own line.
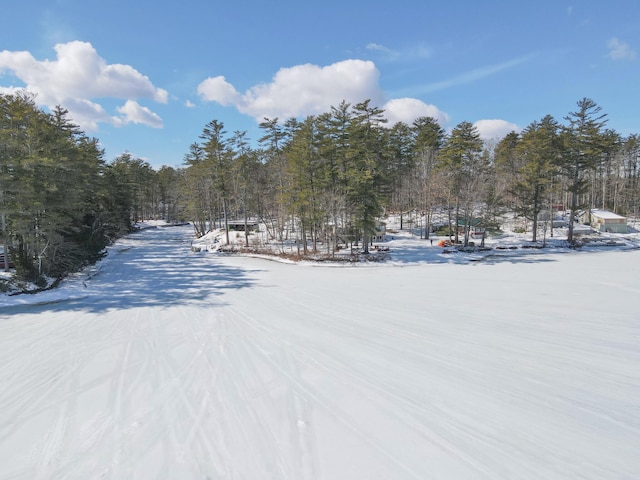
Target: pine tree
581 153
536 150
218 159
428 139
460 159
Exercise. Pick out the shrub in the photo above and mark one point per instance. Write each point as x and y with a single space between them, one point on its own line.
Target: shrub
444 231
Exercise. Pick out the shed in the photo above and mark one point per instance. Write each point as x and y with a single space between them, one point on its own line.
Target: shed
379 233
10 264
238 225
475 227
606 221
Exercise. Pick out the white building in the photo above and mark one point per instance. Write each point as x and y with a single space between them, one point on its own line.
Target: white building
606 221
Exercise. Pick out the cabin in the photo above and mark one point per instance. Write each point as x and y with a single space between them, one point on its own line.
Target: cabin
474 226
238 225
2 262
606 221
379 234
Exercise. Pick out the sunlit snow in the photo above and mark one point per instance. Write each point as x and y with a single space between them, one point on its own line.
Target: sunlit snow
163 363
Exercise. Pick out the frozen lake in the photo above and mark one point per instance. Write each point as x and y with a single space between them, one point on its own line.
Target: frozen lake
172 365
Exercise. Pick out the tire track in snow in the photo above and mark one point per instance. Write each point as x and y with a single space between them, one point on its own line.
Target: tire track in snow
279 446
58 353
312 395
242 402
49 456
100 429
480 441
302 431
184 442
116 400
240 429
425 421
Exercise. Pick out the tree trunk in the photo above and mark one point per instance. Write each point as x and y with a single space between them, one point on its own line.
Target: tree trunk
226 219
574 205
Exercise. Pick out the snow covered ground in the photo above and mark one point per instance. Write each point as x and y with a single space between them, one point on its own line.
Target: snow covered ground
169 364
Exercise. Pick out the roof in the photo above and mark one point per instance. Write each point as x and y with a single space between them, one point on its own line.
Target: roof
474 222
242 222
606 214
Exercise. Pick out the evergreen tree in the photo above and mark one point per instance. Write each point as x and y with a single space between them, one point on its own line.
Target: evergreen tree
460 159
246 171
506 163
218 159
428 137
582 152
51 190
274 209
365 178
536 149
400 164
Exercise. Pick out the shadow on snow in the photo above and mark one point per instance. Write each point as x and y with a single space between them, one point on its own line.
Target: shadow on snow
148 268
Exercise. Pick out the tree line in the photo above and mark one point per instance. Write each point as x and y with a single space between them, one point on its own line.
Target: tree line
61 203
332 176
322 180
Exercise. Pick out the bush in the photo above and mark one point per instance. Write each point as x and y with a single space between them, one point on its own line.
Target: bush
5 286
444 231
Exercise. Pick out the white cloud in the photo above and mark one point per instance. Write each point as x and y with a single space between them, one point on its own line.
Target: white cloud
495 129
189 104
132 112
218 90
408 109
411 53
473 75
619 50
300 90
76 77
376 47
308 89
10 90
88 114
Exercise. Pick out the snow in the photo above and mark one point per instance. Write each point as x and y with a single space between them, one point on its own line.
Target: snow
606 214
166 363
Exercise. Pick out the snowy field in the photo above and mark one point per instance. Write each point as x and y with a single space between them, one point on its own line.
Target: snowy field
168 364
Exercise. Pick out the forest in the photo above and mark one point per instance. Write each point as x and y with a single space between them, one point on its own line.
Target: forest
328 178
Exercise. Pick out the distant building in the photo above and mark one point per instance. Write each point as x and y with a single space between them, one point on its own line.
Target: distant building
475 227
380 232
238 225
606 221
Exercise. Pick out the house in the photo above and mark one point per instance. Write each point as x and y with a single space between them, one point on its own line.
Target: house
238 225
606 221
474 226
379 233
2 262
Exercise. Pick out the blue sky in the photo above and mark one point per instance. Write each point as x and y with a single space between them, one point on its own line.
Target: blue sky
145 77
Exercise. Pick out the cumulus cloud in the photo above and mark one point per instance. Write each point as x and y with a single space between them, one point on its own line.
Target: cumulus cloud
133 112
300 90
218 90
619 50
495 128
308 89
77 77
88 114
408 109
